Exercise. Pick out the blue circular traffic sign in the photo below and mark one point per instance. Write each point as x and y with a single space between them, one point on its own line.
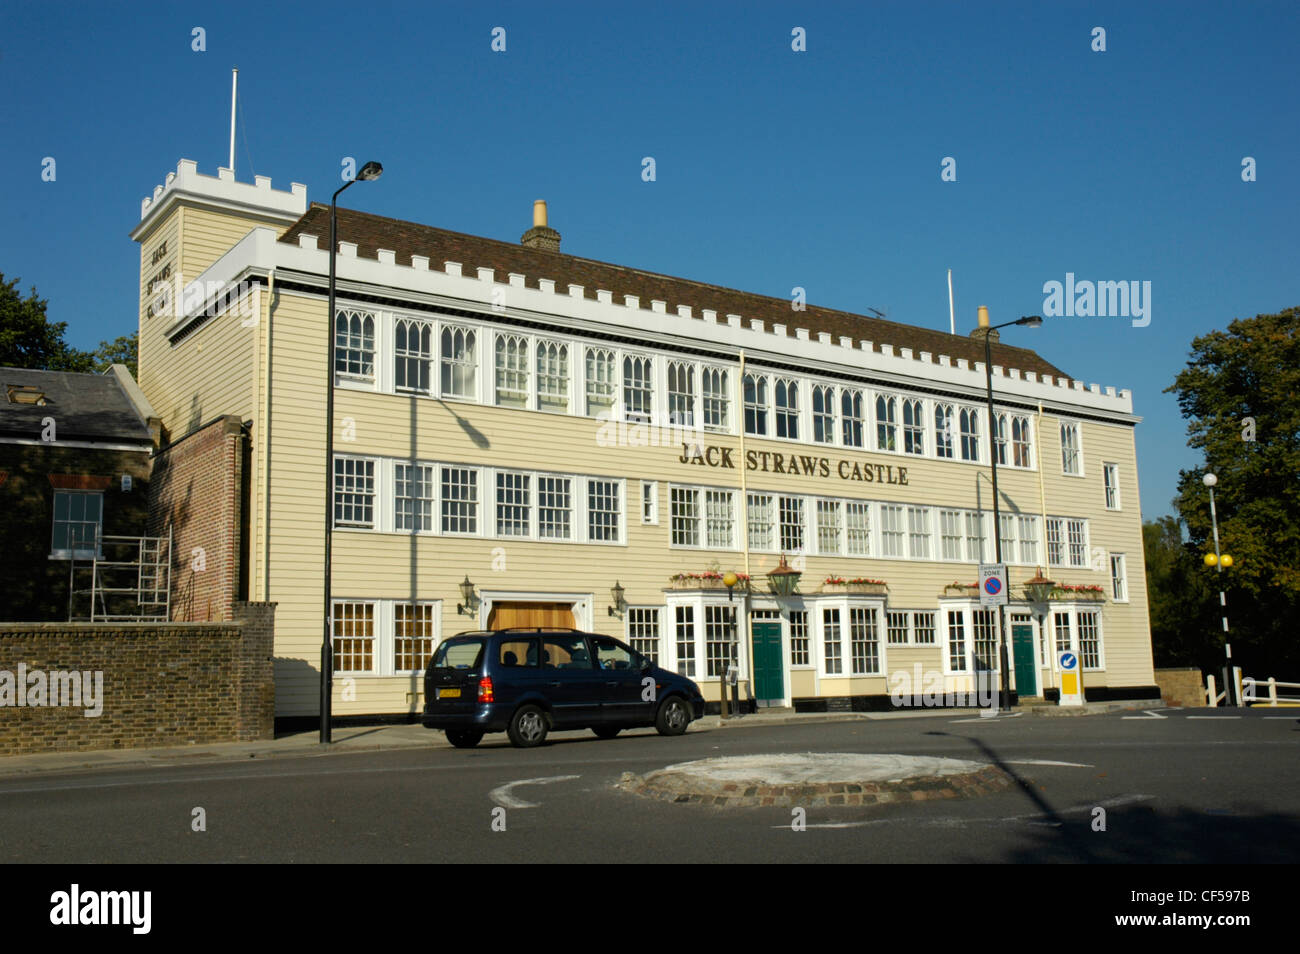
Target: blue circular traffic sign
993 586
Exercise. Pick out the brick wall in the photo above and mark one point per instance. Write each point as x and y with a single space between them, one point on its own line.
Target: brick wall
162 683
1181 687
35 586
198 493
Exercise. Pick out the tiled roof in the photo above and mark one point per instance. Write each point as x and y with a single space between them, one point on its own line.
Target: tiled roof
85 407
373 232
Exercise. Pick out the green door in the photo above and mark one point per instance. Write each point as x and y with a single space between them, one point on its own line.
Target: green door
1022 642
769 685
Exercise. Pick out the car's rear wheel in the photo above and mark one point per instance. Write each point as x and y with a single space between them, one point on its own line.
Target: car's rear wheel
464 738
674 716
606 731
528 727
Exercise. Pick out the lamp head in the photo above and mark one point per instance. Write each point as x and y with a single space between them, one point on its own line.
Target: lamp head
1209 480
370 171
1031 321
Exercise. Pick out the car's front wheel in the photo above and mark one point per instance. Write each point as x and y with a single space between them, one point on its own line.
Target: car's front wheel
674 716
464 738
528 727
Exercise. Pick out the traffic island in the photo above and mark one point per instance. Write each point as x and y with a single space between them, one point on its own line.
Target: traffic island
814 779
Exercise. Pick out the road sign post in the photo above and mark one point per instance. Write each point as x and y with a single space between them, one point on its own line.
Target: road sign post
1071 678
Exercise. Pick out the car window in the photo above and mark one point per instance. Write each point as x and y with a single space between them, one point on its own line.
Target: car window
518 653
610 655
565 652
458 654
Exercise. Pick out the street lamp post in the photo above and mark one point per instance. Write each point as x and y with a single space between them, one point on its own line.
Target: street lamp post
369 172
1004 676
1219 561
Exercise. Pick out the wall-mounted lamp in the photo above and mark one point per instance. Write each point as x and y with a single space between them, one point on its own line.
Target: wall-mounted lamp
472 601
620 605
784 580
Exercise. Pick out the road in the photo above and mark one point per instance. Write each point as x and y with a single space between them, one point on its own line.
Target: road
1176 786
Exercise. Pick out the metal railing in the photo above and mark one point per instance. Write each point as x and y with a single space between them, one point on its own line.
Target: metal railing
1250 692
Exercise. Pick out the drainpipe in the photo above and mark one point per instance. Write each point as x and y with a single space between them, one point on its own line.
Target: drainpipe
1045 629
265 470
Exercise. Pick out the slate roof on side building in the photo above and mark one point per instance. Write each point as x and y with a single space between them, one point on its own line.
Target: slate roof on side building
373 232
85 407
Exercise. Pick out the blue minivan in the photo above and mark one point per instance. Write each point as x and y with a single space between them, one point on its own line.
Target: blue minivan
526 682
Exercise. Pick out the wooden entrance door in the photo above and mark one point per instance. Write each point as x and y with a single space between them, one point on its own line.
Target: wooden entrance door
517 613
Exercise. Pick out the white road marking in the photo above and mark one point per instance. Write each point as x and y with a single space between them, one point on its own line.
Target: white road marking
1047 762
1150 714
998 718
1287 718
954 821
501 795
1214 717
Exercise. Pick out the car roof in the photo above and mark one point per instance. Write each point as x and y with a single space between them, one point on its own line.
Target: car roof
523 630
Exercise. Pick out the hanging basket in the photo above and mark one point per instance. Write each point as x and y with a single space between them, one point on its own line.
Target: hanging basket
870 589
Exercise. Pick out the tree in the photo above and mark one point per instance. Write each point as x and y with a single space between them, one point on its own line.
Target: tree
1239 396
1181 632
28 339
121 350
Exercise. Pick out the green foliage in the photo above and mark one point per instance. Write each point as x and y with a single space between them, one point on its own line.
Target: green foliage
28 339
1237 381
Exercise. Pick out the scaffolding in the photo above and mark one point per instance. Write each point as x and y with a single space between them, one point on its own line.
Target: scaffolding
129 580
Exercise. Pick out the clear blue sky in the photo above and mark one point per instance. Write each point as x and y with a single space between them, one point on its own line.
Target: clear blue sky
774 169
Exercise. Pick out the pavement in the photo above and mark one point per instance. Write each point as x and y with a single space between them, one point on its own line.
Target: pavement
414 736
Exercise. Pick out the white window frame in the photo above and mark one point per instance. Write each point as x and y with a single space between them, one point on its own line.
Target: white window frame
1119 581
1110 482
650 495
1074 453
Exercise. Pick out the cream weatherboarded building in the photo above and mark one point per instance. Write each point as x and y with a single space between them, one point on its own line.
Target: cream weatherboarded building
547 426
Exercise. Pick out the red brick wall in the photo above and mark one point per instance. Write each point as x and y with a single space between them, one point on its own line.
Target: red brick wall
197 492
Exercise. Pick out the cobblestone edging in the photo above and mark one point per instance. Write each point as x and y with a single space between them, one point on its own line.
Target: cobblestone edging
685 787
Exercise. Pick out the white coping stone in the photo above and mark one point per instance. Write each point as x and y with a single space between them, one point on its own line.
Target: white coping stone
546 285
979 367
1094 388
887 350
997 370
168 181
801 334
927 357
779 330
963 364
486 274
1014 374
1110 391
755 324
516 280
945 361
631 301
905 353
821 767
386 256
710 316
225 175
683 311
452 268
864 345
157 192
348 249
604 296
846 341
658 307
733 321
823 336
420 263
1077 385
262 182
308 242
1031 376
575 291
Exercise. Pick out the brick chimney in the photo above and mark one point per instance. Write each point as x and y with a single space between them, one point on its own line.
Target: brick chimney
541 235
979 331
